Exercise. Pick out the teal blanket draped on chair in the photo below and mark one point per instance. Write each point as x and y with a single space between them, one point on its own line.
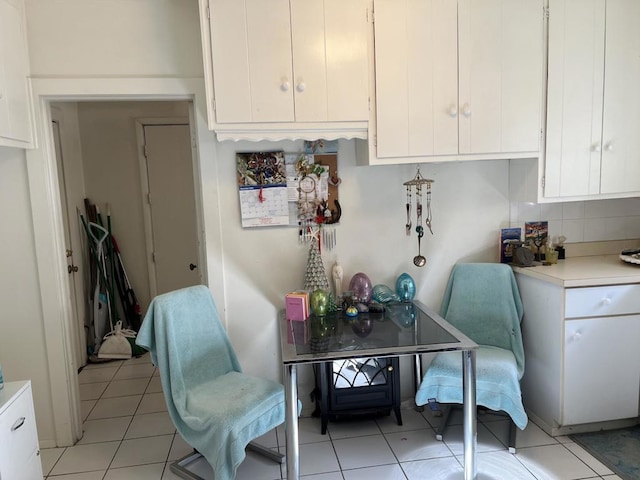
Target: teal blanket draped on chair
216 408
482 300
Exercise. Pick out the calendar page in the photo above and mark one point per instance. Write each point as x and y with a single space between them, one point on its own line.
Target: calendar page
270 209
262 181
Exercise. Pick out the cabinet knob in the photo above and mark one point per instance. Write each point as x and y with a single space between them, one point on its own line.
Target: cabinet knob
609 147
606 301
285 85
390 368
575 337
453 110
595 147
301 86
466 110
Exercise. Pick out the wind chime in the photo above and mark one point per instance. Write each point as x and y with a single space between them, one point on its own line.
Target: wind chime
420 183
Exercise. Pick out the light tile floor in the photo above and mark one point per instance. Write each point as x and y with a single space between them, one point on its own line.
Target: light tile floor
128 435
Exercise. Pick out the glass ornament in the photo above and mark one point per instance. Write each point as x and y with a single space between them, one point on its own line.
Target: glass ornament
383 294
361 287
351 311
362 326
405 287
319 302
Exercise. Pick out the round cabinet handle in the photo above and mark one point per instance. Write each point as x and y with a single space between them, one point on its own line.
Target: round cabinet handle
285 85
575 337
606 301
466 110
192 266
390 368
609 147
301 86
453 110
595 147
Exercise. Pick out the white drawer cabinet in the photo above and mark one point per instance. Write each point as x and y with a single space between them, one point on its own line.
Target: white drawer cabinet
19 452
582 361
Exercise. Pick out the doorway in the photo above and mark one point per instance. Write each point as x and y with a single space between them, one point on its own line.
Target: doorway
60 401
114 178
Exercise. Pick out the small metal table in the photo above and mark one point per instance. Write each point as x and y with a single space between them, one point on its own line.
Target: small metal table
403 329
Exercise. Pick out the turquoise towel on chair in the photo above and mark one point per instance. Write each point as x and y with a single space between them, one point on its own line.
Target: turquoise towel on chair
216 408
482 300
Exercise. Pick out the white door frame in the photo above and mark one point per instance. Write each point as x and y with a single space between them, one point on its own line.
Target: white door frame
48 224
144 180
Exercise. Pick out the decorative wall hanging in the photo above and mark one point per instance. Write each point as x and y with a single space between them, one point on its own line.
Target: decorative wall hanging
262 181
420 184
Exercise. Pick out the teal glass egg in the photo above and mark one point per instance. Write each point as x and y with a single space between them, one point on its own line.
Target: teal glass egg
405 287
383 294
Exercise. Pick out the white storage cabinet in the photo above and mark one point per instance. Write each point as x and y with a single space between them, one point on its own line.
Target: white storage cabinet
286 65
15 110
457 80
19 451
582 361
593 106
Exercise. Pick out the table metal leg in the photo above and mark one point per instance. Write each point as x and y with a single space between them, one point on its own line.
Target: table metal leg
470 425
291 421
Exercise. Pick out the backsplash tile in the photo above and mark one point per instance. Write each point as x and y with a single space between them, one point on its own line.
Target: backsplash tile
572 210
584 221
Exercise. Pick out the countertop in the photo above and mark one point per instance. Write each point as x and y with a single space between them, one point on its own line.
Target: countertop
585 271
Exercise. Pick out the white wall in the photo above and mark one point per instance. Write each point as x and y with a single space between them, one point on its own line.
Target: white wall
261 265
22 344
114 38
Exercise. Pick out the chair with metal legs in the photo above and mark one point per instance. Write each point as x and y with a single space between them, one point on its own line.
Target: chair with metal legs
217 409
481 300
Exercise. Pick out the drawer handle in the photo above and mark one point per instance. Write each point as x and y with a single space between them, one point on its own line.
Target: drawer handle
18 424
606 301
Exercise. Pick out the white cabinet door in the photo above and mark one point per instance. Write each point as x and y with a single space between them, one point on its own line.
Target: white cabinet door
347 32
289 60
330 63
458 78
500 46
416 76
15 118
602 361
621 116
252 60
574 97
593 104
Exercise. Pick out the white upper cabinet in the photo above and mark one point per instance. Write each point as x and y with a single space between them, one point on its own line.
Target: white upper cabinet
15 111
287 68
457 79
593 104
